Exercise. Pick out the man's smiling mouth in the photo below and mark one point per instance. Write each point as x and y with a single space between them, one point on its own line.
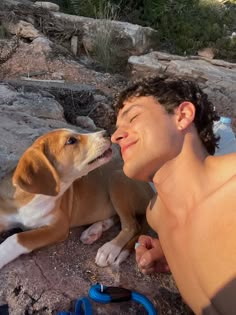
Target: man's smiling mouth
126 147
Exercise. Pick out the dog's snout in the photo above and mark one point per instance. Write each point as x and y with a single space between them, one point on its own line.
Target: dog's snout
103 133
100 135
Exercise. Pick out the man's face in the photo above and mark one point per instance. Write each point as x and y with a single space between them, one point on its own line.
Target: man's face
147 136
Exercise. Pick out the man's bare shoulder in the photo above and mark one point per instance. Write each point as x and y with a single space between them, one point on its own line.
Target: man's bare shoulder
224 165
221 202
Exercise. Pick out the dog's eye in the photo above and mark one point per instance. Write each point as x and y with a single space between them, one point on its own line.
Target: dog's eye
71 140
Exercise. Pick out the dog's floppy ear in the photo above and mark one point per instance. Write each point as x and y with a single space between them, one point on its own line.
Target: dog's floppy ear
35 174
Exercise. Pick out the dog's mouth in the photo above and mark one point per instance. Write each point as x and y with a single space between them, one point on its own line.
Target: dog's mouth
105 154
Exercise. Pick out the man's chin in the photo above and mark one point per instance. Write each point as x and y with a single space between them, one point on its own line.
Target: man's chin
135 174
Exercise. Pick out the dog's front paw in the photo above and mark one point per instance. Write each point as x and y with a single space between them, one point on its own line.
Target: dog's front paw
110 254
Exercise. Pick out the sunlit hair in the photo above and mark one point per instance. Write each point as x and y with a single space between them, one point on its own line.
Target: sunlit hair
170 93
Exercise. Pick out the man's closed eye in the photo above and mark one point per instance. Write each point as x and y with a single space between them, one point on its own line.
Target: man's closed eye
132 119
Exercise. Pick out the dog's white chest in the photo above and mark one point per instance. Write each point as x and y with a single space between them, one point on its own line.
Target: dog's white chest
37 213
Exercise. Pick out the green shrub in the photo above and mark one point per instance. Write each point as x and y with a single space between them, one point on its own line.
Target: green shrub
185 26
226 49
100 9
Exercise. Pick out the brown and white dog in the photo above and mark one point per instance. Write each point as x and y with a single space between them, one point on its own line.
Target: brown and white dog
60 182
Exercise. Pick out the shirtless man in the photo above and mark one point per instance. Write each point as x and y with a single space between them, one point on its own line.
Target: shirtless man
164 129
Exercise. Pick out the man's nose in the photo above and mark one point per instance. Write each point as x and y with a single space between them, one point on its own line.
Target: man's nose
118 135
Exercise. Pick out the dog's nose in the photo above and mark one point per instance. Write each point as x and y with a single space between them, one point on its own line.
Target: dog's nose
105 134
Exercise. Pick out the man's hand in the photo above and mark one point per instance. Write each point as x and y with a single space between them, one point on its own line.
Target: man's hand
149 255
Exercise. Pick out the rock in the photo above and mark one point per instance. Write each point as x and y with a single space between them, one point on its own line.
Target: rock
47 5
24 116
207 53
57 75
8 48
146 65
86 123
74 44
126 37
41 45
12 3
22 29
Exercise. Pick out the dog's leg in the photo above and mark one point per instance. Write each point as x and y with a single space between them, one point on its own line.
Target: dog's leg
111 252
25 242
128 198
94 232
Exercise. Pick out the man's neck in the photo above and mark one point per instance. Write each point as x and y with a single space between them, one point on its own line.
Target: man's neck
184 181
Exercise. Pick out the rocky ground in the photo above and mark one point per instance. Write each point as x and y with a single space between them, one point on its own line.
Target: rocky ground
51 279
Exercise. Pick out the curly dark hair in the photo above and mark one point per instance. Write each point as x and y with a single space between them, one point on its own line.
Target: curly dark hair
170 93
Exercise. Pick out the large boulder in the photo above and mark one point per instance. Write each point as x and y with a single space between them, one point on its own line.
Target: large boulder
23 117
47 5
23 29
126 37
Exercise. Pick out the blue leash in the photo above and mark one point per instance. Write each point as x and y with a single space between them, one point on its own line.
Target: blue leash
103 294
82 307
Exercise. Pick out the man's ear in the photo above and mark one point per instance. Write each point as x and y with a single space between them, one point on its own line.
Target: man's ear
185 114
35 174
